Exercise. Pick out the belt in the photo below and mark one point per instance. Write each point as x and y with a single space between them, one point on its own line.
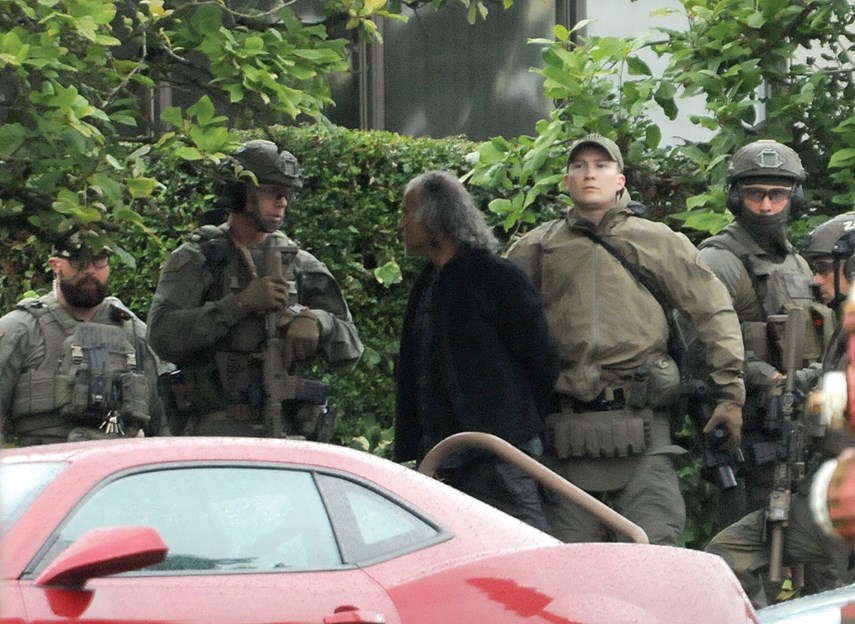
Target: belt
609 399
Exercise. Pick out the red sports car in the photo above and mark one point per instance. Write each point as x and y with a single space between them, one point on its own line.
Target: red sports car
231 531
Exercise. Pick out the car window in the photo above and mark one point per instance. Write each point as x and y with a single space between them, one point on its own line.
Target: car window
372 527
216 519
20 484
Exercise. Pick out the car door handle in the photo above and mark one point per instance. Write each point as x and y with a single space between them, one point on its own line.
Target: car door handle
343 615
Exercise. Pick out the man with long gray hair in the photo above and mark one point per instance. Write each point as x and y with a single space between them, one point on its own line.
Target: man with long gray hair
476 353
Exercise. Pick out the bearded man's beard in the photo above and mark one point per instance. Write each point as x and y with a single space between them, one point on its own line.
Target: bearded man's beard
87 292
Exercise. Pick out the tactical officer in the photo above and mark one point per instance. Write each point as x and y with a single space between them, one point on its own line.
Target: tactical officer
607 276
75 364
829 250
744 545
476 353
243 312
764 276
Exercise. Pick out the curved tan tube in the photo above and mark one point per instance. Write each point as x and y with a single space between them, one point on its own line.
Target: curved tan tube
539 472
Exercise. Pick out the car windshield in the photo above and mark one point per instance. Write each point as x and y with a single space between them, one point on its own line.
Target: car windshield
20 484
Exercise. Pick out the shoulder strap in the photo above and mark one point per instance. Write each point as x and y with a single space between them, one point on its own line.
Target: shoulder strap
755 284
61 316
727 243
640 273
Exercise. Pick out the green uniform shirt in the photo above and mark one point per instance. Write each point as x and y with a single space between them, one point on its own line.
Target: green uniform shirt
607 324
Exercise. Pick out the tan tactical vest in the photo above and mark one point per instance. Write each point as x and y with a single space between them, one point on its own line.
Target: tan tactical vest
89 371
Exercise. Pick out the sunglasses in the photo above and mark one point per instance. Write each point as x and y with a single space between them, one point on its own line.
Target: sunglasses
821 267
777 195
277 192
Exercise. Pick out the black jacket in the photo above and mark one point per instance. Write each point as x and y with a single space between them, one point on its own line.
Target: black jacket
499 361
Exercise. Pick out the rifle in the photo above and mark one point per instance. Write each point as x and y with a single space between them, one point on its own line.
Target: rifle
279 384
789 464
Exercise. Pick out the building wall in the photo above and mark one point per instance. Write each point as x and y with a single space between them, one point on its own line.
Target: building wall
621 18
437 75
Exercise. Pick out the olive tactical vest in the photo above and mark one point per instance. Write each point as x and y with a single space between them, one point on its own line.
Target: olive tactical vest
778 287
231 371
90 370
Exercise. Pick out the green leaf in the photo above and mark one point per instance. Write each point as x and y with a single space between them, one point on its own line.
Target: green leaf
388 274
842 158
637 67
188 153
142 187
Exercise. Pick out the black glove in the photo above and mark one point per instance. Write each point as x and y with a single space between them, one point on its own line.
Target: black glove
264 294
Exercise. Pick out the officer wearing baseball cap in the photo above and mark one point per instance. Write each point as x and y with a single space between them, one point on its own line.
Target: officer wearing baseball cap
609 429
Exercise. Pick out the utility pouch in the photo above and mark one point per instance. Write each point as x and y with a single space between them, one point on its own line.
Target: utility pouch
755 337
237 373
73 392
92 395
134 397
599 435
202 388
174 393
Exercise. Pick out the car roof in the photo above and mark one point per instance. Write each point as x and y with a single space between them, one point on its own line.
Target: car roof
456 511
138 451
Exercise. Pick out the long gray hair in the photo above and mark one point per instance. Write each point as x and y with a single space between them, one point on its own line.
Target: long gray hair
447 209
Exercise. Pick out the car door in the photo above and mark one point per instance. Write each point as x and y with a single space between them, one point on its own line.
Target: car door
247 543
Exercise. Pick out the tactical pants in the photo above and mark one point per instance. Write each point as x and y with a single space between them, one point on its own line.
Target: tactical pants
744 549
651 499
503 486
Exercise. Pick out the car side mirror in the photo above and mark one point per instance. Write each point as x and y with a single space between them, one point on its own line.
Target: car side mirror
102 552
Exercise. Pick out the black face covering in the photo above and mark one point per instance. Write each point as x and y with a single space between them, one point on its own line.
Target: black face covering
769 231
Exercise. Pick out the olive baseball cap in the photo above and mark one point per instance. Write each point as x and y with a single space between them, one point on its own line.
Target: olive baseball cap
597 140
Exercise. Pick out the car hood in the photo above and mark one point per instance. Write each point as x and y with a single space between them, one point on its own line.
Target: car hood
822 608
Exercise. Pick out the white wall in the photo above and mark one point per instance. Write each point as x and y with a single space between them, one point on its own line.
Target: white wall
622 18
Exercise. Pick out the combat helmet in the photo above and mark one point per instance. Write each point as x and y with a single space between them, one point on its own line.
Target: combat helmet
835 239
762 160
268 164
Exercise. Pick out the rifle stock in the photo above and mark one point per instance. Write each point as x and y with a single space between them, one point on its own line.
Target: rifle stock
789 465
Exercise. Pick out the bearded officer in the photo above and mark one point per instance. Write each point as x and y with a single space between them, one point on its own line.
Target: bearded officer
75 363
